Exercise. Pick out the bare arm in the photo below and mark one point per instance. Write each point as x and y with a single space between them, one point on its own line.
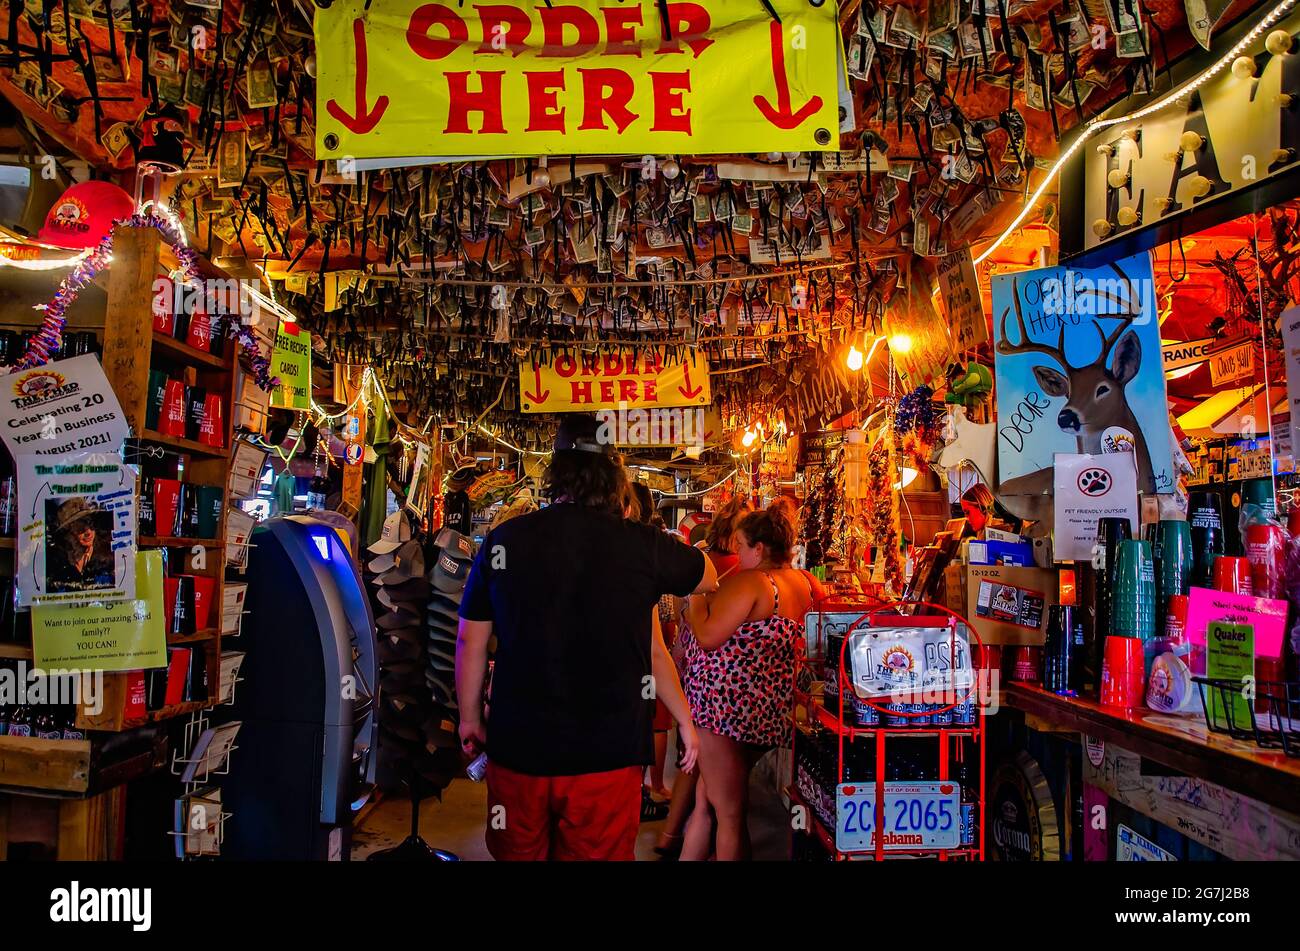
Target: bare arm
710 580
471 667
668 688
715 618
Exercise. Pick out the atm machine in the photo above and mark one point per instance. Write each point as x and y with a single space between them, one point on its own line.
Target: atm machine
306 699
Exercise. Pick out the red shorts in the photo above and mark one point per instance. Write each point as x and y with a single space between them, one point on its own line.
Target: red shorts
589 817
663 719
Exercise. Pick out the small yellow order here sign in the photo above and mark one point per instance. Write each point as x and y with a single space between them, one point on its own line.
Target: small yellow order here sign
117 635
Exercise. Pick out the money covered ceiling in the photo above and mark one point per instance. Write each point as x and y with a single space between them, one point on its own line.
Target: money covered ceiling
443 276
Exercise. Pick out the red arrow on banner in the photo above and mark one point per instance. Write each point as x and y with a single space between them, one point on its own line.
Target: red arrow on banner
781 116
538 397
687 391
365 118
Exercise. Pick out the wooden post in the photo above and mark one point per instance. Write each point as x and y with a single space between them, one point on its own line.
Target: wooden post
128 320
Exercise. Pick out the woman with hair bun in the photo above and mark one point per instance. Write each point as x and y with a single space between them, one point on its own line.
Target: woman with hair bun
740 684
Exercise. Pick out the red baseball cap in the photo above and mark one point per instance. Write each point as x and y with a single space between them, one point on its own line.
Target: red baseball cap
84 214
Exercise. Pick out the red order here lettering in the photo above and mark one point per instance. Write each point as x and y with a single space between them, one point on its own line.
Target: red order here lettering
437 30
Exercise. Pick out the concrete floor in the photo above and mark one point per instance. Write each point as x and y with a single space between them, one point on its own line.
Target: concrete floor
456 823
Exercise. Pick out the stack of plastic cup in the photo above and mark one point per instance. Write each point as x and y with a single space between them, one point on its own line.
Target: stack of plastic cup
1174 561
1110 533
1133 595
1123 673
1205 514
1266 552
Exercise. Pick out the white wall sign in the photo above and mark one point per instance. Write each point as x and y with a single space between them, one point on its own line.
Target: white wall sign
1090 487
59 408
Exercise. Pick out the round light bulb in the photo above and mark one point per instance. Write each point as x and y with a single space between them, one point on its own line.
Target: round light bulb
1127 216
747 440
855 360
1101 227
541 178
1117 178
1191 142
1199 186
900 343
1278 43
1243 67
1285 100
775 156
671 169
309 64
1283 156
1105 150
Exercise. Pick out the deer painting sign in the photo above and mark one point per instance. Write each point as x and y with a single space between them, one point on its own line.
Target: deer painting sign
1079 370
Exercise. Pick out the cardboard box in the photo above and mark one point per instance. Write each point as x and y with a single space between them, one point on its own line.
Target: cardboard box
1008 604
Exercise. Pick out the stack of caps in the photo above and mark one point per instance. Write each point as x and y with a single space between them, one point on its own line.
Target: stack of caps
406 711
451 561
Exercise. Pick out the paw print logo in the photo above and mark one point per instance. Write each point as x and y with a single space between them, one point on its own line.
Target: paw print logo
1094 482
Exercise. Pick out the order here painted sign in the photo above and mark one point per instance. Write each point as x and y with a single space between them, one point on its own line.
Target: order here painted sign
612 380
406 78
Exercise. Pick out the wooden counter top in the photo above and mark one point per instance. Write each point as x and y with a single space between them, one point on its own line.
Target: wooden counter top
1182 743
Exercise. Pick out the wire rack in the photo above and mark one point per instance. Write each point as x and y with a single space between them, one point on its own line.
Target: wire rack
1271 719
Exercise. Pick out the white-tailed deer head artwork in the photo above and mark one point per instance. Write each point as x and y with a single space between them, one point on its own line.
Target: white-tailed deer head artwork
1096 411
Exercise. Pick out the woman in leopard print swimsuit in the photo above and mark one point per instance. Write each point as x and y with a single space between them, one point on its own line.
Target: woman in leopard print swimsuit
740 675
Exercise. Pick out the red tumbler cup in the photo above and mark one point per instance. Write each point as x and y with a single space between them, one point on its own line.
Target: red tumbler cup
1123 673
212 431
171 422
1232 573
1266 552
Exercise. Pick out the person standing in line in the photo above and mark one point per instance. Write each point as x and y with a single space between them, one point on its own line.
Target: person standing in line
720 547
740 676
652 810
568 592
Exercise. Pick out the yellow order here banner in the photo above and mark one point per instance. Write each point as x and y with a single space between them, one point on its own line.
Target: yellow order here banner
412 78
612 380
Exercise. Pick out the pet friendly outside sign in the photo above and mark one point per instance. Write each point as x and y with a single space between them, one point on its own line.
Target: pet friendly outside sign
615 380
405 77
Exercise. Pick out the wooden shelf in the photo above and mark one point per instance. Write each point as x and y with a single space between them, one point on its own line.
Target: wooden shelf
16 651
8 544
56 765
169 541
206 634
183 352
186 445
166 713
1267 775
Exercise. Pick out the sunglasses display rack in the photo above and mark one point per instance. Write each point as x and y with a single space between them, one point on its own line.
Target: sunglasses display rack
915 769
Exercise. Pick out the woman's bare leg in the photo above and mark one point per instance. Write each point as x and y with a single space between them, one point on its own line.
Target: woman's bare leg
698 845
725 773
679 808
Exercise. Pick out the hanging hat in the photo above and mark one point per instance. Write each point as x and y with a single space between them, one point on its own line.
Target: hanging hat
390 599
408 564
454 542
450 570
392 620
84 214
397 531
162 140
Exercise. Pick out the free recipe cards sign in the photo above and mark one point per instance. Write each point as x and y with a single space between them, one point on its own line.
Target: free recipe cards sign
407 77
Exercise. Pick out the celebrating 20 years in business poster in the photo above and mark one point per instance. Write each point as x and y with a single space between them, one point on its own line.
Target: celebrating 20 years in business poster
1079 370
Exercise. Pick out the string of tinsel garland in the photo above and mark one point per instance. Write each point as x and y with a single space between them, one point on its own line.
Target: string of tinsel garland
916 411
883 515
49 336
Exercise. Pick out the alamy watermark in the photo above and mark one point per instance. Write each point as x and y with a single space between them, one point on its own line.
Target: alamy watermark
216 297
23 685
667 426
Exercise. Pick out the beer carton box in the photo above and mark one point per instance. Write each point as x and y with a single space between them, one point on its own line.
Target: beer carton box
1008 604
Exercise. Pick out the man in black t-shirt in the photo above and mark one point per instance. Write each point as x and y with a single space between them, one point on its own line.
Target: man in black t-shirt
569 593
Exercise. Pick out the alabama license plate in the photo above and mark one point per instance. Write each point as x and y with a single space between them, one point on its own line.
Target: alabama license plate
917 816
